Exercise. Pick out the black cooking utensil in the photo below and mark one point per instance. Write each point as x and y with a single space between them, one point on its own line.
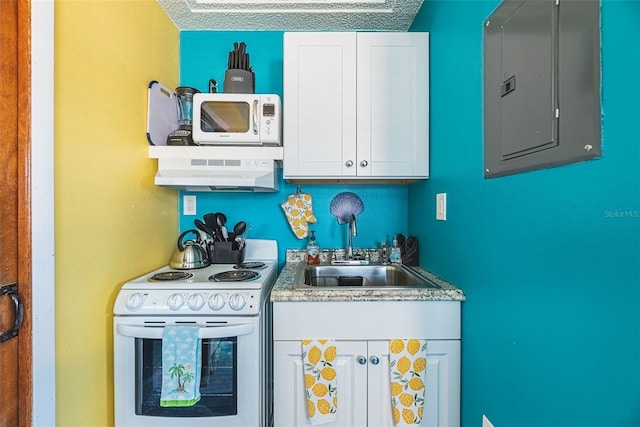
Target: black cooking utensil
222 216
203 227
244 237
212 223
221 220
239 228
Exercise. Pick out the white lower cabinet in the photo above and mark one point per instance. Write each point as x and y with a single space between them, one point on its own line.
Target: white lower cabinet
362 365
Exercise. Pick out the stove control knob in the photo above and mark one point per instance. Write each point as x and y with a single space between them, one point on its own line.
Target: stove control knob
196 302
237 301
216 301
175 301
134 302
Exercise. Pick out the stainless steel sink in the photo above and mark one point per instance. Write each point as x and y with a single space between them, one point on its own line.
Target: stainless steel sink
322 277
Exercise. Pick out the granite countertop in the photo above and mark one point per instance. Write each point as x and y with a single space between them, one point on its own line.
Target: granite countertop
284 290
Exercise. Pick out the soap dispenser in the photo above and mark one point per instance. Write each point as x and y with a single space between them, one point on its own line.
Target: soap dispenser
313 250
396 254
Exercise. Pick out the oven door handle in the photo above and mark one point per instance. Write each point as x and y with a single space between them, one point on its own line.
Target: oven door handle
204 333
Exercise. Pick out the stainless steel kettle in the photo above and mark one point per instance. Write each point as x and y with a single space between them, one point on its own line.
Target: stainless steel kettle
189 254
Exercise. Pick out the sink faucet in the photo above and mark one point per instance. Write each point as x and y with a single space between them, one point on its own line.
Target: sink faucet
384 254
353 231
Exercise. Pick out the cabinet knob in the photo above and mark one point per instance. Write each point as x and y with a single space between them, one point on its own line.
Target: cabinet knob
374 360
362 360
349 163
364 163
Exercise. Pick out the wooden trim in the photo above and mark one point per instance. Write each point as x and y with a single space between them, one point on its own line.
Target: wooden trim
24 212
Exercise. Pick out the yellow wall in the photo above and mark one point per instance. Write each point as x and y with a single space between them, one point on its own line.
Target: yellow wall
111 222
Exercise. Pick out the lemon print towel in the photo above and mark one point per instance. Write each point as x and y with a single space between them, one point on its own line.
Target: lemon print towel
299 212
407 365
321 391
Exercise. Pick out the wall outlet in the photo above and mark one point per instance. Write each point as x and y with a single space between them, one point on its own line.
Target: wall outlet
189 205
441 206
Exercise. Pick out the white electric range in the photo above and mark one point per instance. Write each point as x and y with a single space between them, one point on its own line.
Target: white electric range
230 305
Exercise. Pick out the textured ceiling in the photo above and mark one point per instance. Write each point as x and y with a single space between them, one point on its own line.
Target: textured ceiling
283 15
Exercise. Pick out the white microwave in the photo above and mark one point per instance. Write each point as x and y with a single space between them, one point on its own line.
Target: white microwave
237 119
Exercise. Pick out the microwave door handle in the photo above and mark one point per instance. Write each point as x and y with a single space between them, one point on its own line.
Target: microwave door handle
255 116
204 333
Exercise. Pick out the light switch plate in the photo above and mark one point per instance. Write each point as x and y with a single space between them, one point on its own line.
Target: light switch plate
441 206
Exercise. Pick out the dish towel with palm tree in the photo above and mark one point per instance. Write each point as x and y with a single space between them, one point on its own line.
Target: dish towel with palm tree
407 369
321 388
181 366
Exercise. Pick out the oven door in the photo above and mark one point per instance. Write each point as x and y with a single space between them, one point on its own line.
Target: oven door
231 375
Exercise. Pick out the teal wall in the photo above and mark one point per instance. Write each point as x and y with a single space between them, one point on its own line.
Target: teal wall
203 55
549 260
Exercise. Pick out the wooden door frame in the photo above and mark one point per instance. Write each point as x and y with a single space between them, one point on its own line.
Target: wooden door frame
32 34
25 385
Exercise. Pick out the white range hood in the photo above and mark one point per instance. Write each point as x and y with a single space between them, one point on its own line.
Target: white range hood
218 168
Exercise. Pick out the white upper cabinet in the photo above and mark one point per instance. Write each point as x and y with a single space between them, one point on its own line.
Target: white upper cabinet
356 106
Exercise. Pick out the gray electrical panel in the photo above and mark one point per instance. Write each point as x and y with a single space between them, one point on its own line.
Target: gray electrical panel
541 85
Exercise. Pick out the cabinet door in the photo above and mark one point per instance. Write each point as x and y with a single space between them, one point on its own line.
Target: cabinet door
289 393
319 129
442 398
393 105
442 382
379 389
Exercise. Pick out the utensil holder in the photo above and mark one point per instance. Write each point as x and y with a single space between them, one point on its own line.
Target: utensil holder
225 253
239 81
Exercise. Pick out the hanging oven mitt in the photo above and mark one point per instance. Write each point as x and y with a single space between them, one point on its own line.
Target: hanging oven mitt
299 212
407 369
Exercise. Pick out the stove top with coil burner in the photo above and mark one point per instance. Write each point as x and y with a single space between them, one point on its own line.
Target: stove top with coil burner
250 264
218 289
170 276
235 276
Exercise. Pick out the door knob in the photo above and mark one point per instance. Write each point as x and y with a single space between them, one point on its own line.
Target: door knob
374 360
349 163
362 360
12 292
364 163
